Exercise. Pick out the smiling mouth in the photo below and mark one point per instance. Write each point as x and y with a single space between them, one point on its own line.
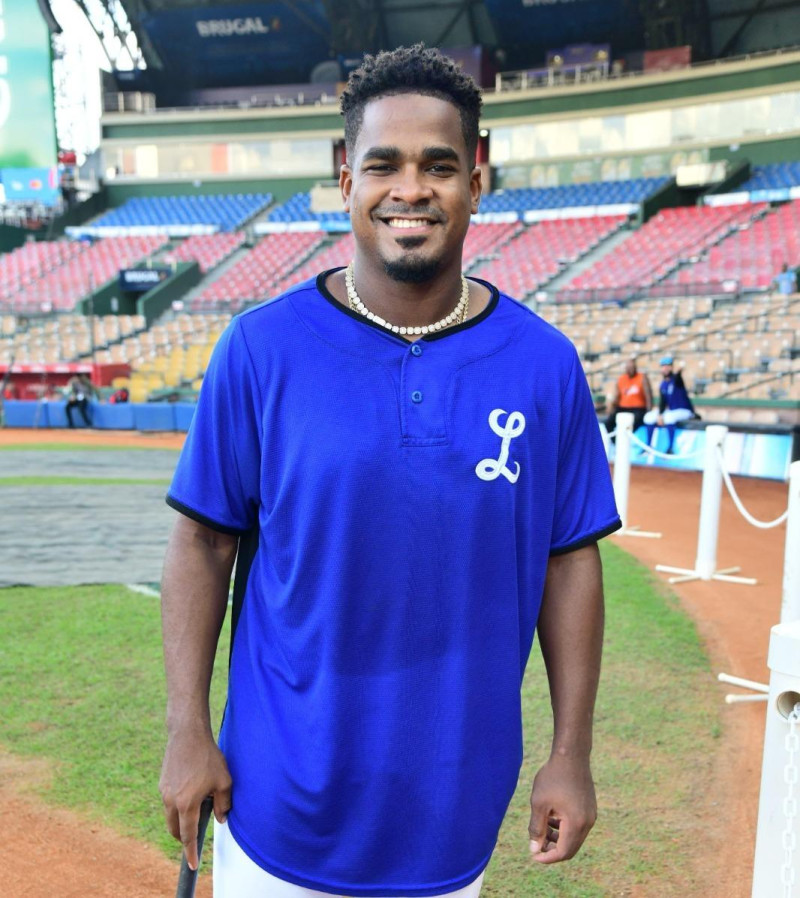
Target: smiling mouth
408 224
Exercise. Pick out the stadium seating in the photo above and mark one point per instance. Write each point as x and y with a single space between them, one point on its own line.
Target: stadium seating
773 177
483 241
596 193
67 338
671 237
224 211
751 256
335 255
298 208
30 262
743 348
543 250
256 275
208 250
81 273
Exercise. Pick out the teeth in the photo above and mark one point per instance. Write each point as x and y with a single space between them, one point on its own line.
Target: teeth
407 222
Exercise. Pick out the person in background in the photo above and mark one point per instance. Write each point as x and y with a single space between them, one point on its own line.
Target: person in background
79 390
674 403
786 280
632 393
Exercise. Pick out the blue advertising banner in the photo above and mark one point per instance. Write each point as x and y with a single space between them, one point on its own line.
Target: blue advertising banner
218 46
27 185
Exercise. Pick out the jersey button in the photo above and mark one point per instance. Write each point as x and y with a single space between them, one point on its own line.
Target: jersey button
416 349
416 396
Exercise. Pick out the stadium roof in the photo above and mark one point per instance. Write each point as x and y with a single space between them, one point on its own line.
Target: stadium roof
297 35
350 26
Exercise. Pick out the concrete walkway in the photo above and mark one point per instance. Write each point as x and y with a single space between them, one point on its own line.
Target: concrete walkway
58 535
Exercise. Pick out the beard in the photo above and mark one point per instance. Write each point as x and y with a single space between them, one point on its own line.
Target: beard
411 268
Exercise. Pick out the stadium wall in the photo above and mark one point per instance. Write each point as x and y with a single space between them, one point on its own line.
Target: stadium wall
280 188
109 299
666 87
192 139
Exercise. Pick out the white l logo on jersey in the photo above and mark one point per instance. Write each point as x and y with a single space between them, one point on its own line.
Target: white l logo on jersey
492 468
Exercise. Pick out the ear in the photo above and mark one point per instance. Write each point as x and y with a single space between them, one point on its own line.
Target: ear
345 185
475 188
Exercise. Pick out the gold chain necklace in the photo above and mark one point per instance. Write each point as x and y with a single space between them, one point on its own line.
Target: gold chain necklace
457 316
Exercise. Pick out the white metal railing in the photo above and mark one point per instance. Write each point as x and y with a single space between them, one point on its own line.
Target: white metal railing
525 79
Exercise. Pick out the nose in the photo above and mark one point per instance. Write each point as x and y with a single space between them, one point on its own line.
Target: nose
411 186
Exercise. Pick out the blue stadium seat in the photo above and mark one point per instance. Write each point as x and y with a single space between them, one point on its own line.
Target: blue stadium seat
773 177
225 211
598 193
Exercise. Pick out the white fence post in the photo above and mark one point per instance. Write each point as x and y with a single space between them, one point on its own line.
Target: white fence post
622 475
705 566
778 837
622 464
790 605
710 497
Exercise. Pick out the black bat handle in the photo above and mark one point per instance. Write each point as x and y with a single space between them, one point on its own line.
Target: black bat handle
188 877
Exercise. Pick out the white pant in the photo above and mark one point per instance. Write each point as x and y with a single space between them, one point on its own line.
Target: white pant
670 416
236 876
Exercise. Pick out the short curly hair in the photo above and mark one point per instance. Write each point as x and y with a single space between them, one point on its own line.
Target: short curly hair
420 70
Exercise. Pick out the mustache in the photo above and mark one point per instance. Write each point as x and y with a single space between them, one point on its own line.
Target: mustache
421 211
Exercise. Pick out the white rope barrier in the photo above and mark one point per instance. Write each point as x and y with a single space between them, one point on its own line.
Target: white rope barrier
657 454
726 477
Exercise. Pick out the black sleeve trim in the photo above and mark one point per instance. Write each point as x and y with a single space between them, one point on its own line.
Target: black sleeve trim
588 540
201 518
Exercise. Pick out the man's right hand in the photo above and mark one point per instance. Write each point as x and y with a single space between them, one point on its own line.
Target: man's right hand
193 768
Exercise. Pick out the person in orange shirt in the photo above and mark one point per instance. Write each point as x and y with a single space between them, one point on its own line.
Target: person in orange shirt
631 394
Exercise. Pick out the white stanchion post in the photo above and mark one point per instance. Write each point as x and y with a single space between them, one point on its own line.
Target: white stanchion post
777 845
710 498
790 604
622 475
622 465
705 566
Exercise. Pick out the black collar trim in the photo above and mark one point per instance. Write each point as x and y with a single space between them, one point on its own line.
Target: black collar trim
494 298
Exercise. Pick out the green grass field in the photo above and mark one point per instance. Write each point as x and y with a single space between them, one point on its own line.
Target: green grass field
81 685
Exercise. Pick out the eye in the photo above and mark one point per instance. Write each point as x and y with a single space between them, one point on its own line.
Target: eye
441 168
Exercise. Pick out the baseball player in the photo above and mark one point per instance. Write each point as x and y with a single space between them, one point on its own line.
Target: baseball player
406 466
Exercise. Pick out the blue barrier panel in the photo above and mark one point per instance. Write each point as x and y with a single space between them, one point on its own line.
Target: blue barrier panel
154 415
147 416
766 455
184 412
23 413
113 416
57 415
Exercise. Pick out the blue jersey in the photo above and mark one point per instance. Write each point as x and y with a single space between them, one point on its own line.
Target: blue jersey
674 393
397 505
786 281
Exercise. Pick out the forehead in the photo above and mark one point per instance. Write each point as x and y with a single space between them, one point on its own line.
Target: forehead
410 122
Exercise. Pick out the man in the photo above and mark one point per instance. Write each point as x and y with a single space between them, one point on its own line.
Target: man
674 403
79 391
785 281
411 469
632 394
